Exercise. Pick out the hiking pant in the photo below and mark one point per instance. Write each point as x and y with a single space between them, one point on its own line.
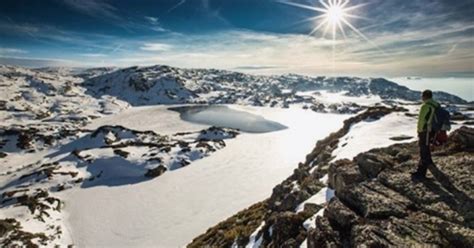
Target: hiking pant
425 153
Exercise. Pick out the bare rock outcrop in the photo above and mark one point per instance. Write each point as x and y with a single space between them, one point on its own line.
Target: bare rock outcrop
377 204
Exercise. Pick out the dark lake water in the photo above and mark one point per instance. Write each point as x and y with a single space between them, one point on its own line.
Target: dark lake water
223 116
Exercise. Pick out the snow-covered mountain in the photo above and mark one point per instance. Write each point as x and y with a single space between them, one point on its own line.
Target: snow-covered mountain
168 85
48 88
72 141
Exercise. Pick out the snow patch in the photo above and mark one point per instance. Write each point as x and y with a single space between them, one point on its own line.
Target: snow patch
370 134
322 197
254 242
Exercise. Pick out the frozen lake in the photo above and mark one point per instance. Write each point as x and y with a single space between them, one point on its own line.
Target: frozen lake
172 209
223 116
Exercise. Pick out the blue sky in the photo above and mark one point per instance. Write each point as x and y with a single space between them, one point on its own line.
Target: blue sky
417 37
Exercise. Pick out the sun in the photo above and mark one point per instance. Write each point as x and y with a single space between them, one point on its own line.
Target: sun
334 15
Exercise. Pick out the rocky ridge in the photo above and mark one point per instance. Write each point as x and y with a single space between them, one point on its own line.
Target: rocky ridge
378 204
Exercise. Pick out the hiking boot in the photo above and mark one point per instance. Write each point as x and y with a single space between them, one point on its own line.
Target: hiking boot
417 176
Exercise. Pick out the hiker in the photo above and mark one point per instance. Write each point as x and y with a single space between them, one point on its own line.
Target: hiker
425 133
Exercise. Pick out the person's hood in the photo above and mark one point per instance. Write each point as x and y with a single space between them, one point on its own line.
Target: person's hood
432 102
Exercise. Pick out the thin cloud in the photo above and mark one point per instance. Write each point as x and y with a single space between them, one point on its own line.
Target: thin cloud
6 50
213 13
155 47
181 2
51 35
256 67
36 62
453 48
103 10
94 55
151 19
155 25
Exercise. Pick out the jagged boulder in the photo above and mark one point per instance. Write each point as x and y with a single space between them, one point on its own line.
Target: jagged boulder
342 174
286 228
371 164
340 215
324 235
373 200
461 140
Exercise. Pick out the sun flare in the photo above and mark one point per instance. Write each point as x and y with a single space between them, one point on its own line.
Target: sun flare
334 15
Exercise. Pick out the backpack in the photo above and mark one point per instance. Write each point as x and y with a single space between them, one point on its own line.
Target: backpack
440 124
441 120
440 138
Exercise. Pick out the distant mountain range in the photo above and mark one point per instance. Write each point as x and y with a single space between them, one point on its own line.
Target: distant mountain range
169 85
79 95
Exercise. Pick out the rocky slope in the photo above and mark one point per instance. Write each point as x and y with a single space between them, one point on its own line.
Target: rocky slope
376 203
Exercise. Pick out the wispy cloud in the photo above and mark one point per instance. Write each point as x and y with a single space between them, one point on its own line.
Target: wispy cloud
94 55
213 13
6 50
155 24
453 48
151 19
179 3
105 10
256 67
36 62
156 47
48 35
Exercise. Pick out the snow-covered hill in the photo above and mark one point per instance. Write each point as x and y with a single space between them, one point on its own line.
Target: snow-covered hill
168 85
49 96
73 139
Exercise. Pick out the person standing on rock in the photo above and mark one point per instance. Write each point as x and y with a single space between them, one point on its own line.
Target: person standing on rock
425 134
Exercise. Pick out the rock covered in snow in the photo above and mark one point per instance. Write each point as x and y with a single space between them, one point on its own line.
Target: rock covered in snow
108 156
49 96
